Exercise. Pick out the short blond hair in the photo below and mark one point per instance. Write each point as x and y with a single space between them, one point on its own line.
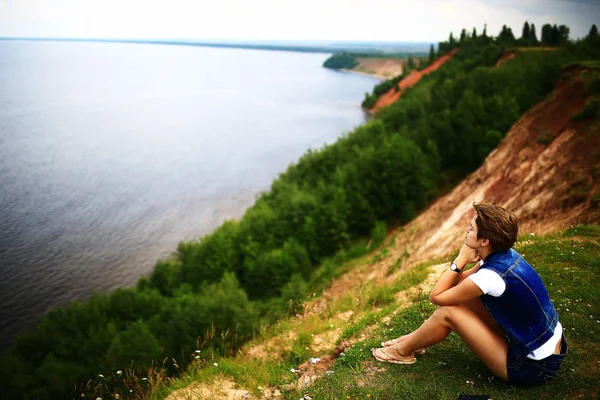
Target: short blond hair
496 224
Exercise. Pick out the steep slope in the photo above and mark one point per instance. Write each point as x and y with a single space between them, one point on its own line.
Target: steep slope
545 170
415 76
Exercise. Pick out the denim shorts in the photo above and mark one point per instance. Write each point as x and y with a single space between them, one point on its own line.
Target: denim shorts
525 371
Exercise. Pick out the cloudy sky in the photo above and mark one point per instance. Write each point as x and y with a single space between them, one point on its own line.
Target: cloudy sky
389 20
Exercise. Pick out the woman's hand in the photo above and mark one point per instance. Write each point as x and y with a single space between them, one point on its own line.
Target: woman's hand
467 255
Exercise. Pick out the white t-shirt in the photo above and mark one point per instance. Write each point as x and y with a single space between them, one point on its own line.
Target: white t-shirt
490 282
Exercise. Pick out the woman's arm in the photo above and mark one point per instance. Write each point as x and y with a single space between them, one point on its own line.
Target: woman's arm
453 288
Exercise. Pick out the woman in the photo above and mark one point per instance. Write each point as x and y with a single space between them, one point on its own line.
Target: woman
500 308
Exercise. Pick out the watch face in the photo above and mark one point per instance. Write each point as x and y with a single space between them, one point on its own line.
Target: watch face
454 267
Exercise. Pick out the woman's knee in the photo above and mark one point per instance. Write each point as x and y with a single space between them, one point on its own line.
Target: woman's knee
449 313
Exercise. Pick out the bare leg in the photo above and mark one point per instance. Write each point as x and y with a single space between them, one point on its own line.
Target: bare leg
486 342
477 307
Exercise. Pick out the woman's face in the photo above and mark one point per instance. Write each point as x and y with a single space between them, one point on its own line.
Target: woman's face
471 238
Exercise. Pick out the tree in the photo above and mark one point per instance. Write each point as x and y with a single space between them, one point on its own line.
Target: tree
474 34
410 63
463 36
431 54
546 34
563 34
593 31
526 32
451 40
532 34
484 34
555 35
506 35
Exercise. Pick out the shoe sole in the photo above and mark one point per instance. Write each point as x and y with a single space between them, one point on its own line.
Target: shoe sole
392 360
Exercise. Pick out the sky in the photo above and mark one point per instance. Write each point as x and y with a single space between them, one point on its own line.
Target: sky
368 20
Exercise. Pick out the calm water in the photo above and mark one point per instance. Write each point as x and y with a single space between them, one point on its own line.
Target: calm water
110 154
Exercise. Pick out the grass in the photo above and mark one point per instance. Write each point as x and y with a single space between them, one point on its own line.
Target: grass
569 265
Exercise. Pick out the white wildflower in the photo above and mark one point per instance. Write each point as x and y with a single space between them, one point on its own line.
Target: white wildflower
144 379
568 309
197 357
117 396
294 370
216 364
197 351
119 372
98 398
328 372
532 234
100 376
315 360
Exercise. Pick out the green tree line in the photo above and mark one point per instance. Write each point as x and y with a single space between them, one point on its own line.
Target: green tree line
551 36
214 292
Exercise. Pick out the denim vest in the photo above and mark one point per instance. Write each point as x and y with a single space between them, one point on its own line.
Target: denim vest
524 311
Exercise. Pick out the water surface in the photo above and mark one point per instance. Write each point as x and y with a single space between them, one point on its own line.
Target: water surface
110 154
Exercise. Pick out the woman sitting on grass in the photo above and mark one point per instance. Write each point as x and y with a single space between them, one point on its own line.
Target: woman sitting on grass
502 311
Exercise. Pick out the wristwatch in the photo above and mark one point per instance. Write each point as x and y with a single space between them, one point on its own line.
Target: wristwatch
454 267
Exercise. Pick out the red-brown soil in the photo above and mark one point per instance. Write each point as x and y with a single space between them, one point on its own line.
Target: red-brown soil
415 76
507 55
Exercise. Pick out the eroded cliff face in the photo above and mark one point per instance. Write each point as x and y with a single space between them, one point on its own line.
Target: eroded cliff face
545 170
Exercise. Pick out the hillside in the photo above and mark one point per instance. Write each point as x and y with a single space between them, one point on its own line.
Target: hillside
410 80
546 171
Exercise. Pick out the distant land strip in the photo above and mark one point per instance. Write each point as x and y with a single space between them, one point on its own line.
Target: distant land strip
372 48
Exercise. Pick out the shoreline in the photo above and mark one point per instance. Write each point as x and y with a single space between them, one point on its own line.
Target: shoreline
384 78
